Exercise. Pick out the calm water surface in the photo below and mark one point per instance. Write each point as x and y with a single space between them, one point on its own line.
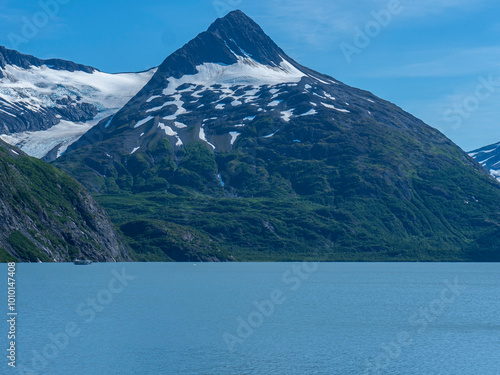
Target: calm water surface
259 318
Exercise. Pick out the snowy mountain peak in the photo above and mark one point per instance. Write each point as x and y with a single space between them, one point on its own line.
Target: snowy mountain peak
230 40
246 38
217 86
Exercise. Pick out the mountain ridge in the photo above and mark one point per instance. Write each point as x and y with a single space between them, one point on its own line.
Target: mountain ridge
489 158
13 57
246 126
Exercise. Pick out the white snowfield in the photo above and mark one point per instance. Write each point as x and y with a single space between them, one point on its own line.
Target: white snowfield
245 72
41 87
38 144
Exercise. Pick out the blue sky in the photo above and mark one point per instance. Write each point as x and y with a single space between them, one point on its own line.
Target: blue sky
438 59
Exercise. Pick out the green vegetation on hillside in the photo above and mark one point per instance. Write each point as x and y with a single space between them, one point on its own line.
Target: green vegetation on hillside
358 191
46 215
26 249
161 226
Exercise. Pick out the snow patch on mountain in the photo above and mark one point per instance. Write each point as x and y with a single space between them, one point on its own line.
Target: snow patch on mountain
234 136
180 108
317 79
109 121
286 115
337 109
270 135
328 95
168 130
10 114
143 121
309 113
150 99
204 138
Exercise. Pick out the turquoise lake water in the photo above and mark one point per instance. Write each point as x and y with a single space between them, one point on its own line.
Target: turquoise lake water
255 318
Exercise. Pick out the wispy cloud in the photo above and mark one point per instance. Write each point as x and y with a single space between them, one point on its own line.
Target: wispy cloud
320 22
315 22
477 128
433 7
446 63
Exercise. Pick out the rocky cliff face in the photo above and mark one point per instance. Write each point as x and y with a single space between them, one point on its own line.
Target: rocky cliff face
45 215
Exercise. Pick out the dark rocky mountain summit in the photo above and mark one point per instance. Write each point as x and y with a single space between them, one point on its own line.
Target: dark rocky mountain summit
235 151
45 215
12 57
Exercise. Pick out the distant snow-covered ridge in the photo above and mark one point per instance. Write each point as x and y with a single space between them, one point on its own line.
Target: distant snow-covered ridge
489 158
42 86
42 108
